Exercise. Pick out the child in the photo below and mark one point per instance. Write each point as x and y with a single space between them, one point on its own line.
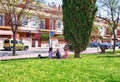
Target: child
66 53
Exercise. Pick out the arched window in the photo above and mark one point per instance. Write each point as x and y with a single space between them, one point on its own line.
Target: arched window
24 21
1 20
42 24
51 24
58 24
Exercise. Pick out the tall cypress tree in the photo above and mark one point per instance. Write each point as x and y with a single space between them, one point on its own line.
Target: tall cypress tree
78 18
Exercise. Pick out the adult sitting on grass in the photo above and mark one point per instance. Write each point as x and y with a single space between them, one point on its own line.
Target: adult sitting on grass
50 52
58 54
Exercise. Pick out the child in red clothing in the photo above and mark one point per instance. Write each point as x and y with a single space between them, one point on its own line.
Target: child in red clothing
66 53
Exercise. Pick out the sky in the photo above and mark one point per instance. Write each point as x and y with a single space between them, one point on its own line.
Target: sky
55 1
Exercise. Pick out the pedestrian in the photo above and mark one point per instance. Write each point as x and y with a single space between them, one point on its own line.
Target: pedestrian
58 54
50 52
65 53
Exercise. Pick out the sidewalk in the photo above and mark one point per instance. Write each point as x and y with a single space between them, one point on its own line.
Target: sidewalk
87 51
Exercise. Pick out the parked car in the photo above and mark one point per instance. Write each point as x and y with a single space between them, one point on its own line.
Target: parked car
117 44
94 44
8 45
107 45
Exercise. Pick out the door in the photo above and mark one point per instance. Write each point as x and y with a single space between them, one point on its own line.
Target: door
36 43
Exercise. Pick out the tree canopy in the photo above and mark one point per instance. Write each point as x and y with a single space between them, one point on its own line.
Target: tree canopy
111 14
78 18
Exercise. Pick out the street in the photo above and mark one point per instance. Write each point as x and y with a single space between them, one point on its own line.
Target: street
28 52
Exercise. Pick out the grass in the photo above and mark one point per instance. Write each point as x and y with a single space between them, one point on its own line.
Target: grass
111 51
88 68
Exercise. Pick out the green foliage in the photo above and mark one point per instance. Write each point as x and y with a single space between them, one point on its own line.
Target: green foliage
60 37
78 18
45 36
111 30
89 68
95 28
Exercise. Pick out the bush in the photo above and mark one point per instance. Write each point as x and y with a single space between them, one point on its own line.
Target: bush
45 36
60 37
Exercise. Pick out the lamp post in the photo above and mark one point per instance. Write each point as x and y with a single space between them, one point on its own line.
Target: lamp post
51 33
51 27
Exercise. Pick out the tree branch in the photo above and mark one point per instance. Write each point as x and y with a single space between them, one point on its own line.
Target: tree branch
25 6
3 5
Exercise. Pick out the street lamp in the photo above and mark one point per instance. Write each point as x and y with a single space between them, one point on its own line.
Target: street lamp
50 35
51 27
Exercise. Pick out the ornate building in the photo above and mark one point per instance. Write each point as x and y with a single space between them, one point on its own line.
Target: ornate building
103 32
47 19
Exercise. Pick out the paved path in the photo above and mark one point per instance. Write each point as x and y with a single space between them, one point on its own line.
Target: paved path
87 51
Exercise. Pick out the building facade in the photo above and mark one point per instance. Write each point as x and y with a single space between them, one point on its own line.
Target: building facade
103 32
48 19
45 21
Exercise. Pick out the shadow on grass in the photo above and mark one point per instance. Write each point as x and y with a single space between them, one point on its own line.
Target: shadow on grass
109 56
71 56
25 58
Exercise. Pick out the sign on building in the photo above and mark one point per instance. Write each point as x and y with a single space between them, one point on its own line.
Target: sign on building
51 33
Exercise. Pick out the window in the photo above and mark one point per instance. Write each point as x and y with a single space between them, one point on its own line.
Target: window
20 42
39 1
1 20
11 41
14 17
33 22
24 22
51 24
118 32
42 24
58 24
6 41
15 42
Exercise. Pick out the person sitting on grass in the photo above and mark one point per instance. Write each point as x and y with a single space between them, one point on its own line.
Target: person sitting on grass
58 54
65 54
50 52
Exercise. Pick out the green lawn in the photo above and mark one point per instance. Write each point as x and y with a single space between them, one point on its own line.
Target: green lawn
88 68
111 51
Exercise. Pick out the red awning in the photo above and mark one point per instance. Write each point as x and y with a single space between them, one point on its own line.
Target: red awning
37 36
4 32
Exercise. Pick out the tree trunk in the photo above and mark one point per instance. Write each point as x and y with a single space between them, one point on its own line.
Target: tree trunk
14 43
114 41
77 54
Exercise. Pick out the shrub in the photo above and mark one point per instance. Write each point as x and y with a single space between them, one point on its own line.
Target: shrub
45 36
60 37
